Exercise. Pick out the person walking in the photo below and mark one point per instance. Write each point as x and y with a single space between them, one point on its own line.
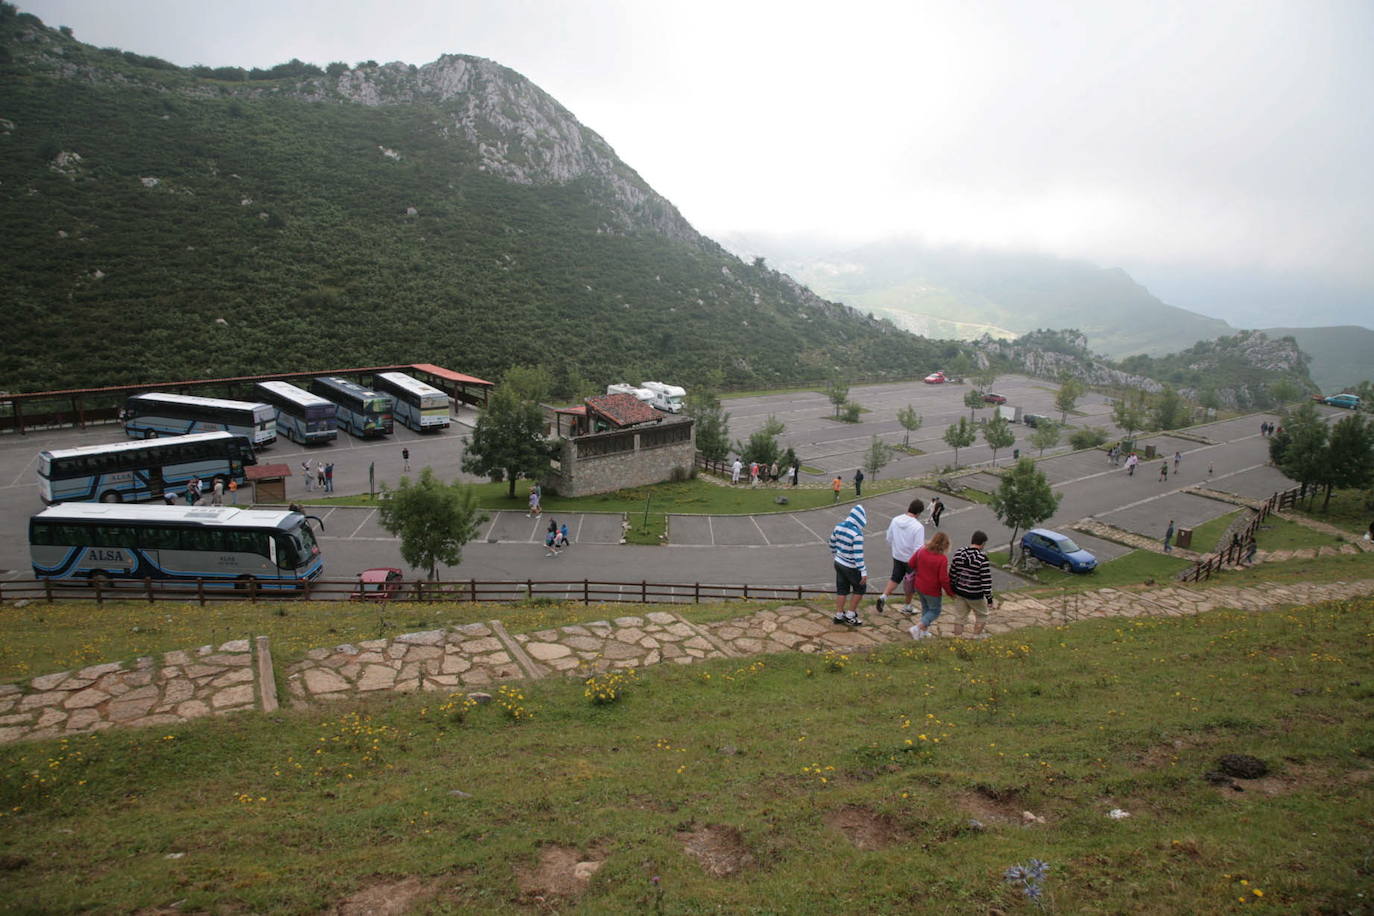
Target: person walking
405 459
1251 549
735 471
193 491
835 486
305 472
970 577
773 472
796 473
1131 462
859 482
937 509
551 539
1178 456
930 575
1164 470
851 574
217 492
233 491
1169 537
753 473
329 477
1111 456
536 495
905 536
319 474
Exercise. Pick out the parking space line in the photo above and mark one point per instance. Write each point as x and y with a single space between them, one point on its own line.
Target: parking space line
370 513
496 516
580 519
755 520
808 528
711 529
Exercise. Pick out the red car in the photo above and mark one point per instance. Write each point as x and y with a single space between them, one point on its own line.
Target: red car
991 398
379 584
935 378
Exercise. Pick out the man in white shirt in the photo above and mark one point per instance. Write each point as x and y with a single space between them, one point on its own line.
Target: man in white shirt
905 536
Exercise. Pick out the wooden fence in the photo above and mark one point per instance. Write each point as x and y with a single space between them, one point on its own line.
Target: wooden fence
1234 552
586 591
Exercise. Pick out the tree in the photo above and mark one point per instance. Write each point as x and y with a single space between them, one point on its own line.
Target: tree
911 421
998 434
762 445
1285 391
1129 412
1087 437
1169 411
1066 398
838 392
1210 401
530 383
433 520
962 365
973 400
960 435
712 423
1302 454
1023 500
1350 456
1046 435
508 439
876 458
984 379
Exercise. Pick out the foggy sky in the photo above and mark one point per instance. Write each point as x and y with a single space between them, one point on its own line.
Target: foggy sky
1174 139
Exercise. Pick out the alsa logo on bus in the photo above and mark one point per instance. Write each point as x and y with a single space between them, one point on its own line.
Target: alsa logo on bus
110 556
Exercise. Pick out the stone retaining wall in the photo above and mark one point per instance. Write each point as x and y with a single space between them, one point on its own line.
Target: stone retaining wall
180 686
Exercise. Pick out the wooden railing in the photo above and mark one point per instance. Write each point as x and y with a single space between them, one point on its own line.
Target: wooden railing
1234 552
586 591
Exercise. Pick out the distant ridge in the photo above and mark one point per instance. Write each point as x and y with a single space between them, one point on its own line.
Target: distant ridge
1341 355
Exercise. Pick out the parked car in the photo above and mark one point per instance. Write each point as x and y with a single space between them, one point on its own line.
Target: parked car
378 584
991 398
1055 549
935 378
1034 419
1348 401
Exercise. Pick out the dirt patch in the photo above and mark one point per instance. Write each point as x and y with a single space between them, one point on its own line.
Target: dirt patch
389 898
1292 778
561 872
864 828
1163 755
719 849
989 805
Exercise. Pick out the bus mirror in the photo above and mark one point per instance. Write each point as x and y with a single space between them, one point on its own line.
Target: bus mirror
319 521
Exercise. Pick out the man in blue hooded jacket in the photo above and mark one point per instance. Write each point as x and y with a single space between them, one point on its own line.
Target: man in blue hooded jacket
851 575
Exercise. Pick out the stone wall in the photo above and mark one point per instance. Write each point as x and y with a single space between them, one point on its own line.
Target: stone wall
580 475
180 686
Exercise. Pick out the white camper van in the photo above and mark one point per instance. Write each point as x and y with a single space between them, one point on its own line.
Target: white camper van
644 394
665 397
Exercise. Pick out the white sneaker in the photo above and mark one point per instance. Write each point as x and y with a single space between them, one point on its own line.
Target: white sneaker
916 631
909 609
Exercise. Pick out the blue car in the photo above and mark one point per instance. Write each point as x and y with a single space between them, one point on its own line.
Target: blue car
1054 549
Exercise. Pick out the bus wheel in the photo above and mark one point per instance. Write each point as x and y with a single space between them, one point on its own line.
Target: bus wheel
111 496
150 434
244 583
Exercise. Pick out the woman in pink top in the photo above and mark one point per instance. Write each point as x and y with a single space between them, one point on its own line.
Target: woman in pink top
930 575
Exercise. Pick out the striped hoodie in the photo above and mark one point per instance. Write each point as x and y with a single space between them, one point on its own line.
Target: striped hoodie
847 540
970 574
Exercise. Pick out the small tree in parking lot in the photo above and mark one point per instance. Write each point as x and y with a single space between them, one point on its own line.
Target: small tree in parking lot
433 520
876 458
911 421
960 435
1046 435
998 435
1023 500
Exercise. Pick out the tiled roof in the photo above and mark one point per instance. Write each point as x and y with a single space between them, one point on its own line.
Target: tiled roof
623 409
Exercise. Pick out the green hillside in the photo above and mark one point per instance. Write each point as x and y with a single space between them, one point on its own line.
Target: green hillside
1340 356
163 225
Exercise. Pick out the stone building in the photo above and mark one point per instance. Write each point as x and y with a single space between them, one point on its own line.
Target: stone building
615 441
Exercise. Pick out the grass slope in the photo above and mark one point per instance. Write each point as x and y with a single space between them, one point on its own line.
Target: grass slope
890 782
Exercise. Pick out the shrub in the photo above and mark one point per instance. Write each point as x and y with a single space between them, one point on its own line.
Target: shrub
1088 437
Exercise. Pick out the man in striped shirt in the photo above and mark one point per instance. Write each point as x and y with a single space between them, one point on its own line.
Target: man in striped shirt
970 576
851 575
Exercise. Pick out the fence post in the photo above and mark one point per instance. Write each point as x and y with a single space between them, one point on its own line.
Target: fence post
252 591
586 592
696 593
47 589
99 589
643 591
200 591
148 585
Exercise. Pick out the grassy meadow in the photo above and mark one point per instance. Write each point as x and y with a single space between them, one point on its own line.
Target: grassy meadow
908 779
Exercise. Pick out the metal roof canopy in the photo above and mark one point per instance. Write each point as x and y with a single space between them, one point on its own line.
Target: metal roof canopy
456 384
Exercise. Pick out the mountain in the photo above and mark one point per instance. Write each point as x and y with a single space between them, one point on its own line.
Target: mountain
1341 356
966 292
162 223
